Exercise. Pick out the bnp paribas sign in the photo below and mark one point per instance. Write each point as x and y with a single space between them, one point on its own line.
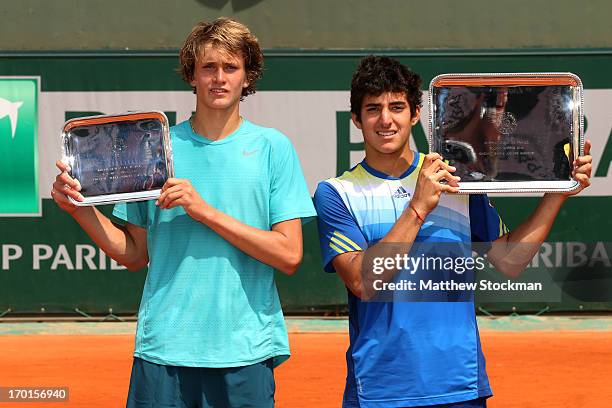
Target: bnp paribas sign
19 195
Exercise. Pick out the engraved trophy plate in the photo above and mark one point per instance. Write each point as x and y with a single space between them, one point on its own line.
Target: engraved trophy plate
118 158
508 132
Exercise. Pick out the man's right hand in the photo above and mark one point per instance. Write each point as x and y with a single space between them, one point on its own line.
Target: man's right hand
429 185
64 187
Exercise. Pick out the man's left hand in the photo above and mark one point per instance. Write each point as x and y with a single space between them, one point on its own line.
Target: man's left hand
180 192
582 169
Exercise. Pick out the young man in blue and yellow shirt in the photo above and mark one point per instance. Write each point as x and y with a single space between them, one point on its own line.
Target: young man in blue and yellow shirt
411 353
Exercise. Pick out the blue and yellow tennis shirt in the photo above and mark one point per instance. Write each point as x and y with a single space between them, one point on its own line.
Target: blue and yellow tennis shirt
405 354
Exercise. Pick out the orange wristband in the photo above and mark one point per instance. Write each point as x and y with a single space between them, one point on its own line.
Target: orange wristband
417 214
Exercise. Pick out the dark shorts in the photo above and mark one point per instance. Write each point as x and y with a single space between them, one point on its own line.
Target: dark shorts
161 386
477 403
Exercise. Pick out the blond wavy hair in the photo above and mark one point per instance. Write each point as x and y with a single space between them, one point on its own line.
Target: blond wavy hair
226 35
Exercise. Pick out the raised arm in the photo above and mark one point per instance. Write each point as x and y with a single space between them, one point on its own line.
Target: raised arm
349 264
512 252
427 194
125 244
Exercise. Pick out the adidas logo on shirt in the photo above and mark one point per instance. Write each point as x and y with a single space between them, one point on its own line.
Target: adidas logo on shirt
401 193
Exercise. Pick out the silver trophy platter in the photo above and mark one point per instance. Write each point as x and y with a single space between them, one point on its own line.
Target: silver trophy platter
508 132
118 158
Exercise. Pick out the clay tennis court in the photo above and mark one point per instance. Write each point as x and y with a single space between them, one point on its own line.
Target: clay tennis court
526 368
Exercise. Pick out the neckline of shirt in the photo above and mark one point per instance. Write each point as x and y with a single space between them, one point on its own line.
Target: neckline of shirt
203 140
376 173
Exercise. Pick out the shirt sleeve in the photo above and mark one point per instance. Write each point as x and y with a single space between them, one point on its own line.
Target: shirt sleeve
289 195
485 223
134 213
338 231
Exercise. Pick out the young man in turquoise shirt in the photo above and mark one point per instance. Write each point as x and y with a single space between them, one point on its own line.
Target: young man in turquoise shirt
210 328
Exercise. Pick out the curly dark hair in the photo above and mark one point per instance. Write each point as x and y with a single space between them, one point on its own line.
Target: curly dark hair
230 36
377 74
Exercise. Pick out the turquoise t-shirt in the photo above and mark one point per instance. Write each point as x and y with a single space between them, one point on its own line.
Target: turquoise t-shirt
206 303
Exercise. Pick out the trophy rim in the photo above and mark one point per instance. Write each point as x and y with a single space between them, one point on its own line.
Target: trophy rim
114 118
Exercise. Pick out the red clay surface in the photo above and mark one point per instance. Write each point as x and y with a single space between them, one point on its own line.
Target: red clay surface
526 369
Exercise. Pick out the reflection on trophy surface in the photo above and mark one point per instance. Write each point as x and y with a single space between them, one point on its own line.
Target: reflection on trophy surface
125 157
480 132
506 133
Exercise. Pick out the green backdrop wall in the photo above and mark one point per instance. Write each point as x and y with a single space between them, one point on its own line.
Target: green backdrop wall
314 24
49 263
